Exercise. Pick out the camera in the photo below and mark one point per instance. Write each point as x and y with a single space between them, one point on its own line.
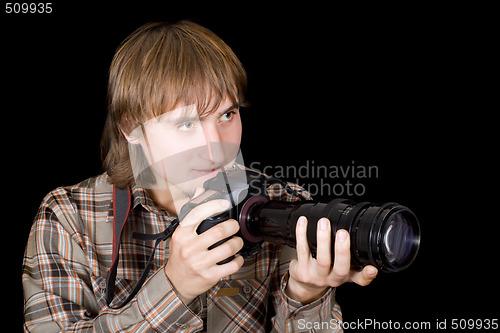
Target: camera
386 235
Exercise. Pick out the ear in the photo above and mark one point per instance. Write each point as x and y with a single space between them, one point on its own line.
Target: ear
130 130
132 137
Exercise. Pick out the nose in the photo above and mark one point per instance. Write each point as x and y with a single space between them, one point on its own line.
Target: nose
215 150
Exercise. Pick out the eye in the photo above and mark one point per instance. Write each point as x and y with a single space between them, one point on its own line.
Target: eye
187 126
227 116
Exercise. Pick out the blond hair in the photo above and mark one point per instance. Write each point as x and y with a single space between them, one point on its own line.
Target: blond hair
157 67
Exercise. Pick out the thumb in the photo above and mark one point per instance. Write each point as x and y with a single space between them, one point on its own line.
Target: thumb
203 211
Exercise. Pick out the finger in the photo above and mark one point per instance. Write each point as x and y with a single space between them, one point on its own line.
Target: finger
225 250
218 232
342 262
292 268
228 268
303 252
324 240
365 276
203 211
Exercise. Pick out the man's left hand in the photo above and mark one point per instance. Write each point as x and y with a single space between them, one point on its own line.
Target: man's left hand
311 277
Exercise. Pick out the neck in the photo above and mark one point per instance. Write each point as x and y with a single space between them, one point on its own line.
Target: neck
171 201
163 198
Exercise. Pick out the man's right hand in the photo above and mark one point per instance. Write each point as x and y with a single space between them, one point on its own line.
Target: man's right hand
192 268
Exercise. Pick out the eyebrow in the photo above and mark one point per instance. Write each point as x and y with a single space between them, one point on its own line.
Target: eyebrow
179 116
185 117
232 107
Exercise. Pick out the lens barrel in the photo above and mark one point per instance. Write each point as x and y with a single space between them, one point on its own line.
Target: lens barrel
386 236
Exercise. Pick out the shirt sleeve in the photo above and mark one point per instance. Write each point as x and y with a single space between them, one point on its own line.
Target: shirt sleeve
59 292
322 315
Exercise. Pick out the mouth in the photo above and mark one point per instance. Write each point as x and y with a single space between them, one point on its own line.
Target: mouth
205 172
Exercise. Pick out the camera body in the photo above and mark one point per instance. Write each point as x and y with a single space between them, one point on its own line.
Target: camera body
231 186
236 187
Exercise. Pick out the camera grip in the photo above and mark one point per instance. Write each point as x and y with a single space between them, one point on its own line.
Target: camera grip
209 223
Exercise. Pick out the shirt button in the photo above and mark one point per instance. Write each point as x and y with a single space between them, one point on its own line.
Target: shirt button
247 289
102 284
181 325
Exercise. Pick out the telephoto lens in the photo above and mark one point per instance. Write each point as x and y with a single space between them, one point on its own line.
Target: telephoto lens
386 236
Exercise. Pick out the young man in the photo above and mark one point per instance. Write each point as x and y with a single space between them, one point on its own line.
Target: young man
173 123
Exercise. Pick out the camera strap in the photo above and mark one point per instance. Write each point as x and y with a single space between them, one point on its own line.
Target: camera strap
122 202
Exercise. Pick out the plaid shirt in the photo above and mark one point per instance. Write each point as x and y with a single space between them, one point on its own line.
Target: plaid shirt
69 253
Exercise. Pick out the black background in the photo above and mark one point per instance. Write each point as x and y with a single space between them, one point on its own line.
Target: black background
406 88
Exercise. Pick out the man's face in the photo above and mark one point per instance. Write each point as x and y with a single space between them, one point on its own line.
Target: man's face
183 150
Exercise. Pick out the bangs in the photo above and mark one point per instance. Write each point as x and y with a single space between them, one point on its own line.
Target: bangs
174 65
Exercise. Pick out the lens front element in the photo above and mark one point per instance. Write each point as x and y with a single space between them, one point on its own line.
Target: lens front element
398 240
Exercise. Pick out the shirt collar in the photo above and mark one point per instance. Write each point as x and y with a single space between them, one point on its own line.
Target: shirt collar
141 197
